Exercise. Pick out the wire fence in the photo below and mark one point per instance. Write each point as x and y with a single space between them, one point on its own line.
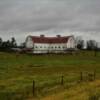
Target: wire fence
49 84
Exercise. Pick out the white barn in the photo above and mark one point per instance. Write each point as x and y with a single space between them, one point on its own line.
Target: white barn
41 44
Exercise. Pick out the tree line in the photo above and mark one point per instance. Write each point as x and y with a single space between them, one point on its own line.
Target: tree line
80 44
89 44
7 45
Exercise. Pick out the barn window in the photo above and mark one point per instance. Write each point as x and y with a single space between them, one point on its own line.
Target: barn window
36 47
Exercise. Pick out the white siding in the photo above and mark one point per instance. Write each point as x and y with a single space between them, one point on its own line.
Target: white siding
49 48
57 48
40 48
71 43
29 42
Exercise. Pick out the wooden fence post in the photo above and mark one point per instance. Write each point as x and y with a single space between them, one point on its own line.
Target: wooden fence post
33 87
62 80
94 74
81 76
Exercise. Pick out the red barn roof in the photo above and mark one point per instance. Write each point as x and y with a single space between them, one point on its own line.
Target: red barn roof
42 39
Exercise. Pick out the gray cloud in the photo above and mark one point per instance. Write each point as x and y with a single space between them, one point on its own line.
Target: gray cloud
23 16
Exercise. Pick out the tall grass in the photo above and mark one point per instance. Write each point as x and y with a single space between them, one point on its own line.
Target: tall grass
17 72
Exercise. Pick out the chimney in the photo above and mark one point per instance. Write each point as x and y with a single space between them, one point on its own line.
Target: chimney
42 35
58 36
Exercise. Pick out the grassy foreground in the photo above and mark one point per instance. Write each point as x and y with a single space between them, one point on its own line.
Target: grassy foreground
83 91
17 72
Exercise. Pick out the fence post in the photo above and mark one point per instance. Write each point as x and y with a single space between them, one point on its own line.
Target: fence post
62 80
33 87
94 74
81 76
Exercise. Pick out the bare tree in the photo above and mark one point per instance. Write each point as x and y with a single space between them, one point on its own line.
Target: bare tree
13 42
91 44
1 41
79 42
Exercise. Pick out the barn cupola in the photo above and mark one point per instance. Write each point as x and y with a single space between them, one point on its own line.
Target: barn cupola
42 35
58 36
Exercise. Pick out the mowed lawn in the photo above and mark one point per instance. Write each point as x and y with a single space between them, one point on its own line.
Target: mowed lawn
17 72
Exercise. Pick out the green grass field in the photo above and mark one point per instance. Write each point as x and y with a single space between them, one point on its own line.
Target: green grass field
17 72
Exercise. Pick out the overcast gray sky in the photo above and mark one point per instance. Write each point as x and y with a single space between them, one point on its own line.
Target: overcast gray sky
24 17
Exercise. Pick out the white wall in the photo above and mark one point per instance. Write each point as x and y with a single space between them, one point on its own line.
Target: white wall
57 47
40 48
49 48
71 42
29 42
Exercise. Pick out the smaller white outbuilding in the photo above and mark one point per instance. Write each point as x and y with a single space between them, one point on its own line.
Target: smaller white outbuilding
41 44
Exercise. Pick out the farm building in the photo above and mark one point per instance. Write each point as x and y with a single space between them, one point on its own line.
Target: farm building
41 44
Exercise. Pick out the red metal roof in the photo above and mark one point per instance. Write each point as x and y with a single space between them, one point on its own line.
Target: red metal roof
39 39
